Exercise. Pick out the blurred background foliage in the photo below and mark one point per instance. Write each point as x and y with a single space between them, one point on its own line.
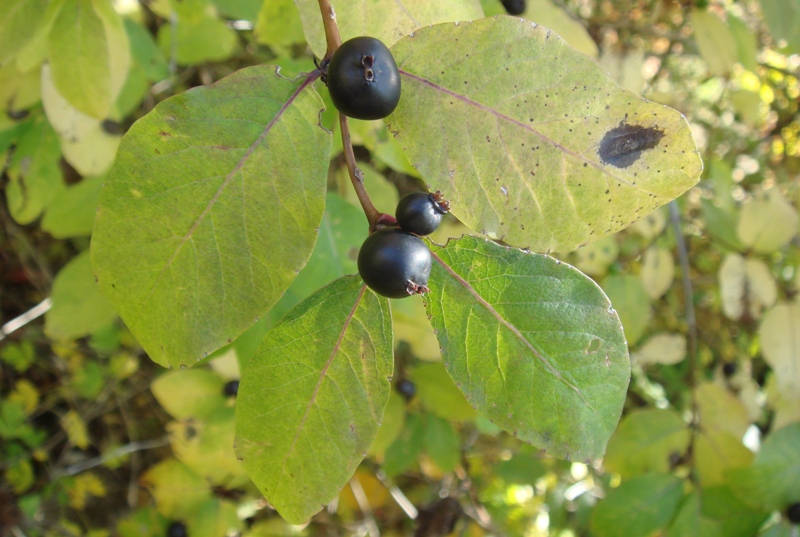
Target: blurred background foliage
97 440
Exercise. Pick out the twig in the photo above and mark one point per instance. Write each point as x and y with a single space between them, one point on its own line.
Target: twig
366 508
113 454
356 175
397 494
332 38
691 321
18 322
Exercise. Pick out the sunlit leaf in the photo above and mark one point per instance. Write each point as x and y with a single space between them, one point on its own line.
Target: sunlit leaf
89 55
645 441
210 211
78 306
312 398
544 12
767 222
75 427
780 342
639 506
663 348
595 258
783 19
189 394
387 20
529 140
658 271
533 343
715 41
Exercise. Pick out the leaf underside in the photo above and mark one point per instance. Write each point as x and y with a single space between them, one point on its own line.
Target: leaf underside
532 342
210 211
529 139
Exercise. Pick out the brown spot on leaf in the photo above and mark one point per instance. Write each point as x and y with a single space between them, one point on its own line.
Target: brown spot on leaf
623 145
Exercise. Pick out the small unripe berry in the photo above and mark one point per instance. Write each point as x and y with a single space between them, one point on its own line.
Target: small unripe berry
394 263
363 79
231 388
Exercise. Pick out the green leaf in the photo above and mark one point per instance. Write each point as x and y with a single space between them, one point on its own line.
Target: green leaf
773 480
715 512
20 21
715 452
19 355
78 306
19 90
783 19
214 518
145 52
312 398
394 417
442 443
638 507
196 393
239 9
34 172
547 14
532 342
89 55
403 453
629 297
715 41
278 23
387 20
529 139
521 469
436 391
210 211
145 522
645 441
206 39
780 343
71 213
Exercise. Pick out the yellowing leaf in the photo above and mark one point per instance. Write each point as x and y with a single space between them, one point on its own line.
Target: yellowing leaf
194 393
780 343
625 68
720 410
594 258
662 348
544 12
82 487
75 428
785 405
86 146
767 222
651 225
746 282
715 453
26 394
715 41
178 492
658 271
20 475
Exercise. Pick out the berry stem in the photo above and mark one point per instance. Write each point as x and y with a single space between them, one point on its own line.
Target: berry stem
356 175
331 28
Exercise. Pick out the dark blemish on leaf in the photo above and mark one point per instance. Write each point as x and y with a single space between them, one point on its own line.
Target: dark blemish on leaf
624 144
164 133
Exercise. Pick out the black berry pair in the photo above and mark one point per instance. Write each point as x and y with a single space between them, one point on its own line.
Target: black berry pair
394 261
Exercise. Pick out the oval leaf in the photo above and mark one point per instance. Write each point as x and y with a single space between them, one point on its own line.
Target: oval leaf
780 343
387 20
533 343
311 399
524 135
210 210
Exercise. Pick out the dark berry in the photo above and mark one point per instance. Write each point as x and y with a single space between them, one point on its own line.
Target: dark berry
177 529
406 388
421 213
394 263
514 7
111 126
793 513
363 79
729 369
231 388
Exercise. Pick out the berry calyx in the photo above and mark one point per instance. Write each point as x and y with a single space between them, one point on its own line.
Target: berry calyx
363 79
514 7
421 213
394 263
